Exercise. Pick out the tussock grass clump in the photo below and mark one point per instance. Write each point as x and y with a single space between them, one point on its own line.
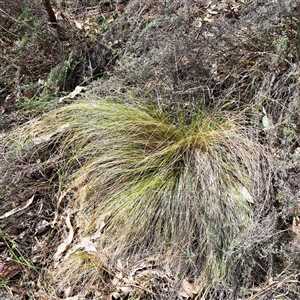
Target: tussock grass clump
145 183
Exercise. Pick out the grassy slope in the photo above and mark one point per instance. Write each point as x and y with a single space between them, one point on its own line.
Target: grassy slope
182 161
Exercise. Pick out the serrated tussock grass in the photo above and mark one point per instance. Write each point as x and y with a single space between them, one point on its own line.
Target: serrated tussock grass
146 183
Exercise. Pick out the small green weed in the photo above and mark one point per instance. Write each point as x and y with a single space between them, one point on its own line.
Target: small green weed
14 253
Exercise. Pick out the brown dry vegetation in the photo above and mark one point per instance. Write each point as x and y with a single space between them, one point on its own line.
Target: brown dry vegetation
174 174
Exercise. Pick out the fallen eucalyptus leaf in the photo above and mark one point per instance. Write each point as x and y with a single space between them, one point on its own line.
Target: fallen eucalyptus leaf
17 209
73 94
63 246
247 196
